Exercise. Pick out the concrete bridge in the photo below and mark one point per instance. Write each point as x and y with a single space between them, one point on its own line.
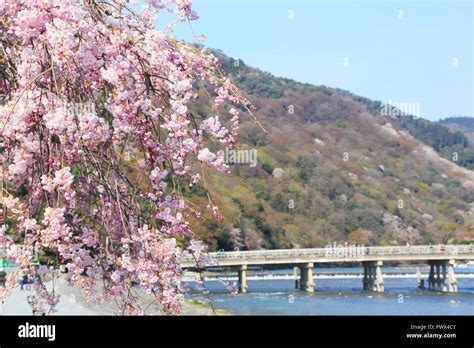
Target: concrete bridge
441 259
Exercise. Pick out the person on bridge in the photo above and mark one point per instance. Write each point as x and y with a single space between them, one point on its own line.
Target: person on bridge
3 277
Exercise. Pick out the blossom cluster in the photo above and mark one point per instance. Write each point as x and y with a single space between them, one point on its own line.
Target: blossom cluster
67 188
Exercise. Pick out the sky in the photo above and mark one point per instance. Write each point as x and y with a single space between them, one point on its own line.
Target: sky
392 51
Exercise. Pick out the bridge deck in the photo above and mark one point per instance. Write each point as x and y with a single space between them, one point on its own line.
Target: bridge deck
338 254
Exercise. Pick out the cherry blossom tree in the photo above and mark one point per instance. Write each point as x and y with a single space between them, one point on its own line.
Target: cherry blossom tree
97 141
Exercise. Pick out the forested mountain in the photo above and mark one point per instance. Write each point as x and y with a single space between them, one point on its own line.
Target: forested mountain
466 123
332 168
464 126
452 142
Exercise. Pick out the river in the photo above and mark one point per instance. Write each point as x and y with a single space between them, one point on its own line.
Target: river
338 291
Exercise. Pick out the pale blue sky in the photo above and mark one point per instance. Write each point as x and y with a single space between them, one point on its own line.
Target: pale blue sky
408 59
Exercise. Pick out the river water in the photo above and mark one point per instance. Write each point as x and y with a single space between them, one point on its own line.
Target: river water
338 291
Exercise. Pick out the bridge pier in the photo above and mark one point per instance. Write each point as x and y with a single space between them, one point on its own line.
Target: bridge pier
431 276
419 279
306 277
442 277
242 274
452 281
373 279
296 272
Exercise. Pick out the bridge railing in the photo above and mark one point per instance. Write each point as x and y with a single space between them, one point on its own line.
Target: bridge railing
327 252
350 252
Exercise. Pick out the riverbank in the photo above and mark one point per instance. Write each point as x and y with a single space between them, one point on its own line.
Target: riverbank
73 302
197 307
190 307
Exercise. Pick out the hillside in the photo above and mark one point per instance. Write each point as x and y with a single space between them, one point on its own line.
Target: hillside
332 168
464 125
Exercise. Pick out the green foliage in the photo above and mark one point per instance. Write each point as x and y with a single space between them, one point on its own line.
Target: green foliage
342 124
279 203
443 140
351 205
263 194
195 190
359 236
267 167
445 225
75 171
260 207
397 212
305 166
465 122
22 191
432 134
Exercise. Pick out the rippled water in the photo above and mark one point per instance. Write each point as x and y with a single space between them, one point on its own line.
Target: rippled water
344 296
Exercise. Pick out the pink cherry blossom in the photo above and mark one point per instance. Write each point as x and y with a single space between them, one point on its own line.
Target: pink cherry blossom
96 130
